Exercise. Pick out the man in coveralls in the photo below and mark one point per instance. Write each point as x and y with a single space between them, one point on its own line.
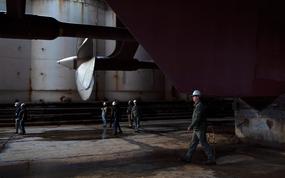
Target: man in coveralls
116 115
136 115
23 118
199 127
129 113
17 111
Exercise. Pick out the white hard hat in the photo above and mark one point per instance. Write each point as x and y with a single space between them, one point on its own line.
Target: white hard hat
114 103
17 103
104 103
23 104
135 101
196 93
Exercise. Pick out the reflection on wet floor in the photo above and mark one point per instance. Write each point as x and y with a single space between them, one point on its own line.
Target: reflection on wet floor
95 134
104 132
64 135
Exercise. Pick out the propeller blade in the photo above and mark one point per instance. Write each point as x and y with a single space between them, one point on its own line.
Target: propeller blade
85 50
84 73
85 93
69 62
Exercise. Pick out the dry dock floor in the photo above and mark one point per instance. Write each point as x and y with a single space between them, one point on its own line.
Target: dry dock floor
85 151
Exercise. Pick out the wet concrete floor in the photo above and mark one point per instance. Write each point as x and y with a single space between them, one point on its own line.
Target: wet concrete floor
91 151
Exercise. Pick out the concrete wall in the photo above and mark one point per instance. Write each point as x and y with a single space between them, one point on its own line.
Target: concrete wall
264 127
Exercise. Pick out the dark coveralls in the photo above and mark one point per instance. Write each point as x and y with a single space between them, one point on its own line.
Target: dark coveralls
23 118
116 115
129 114
17 119
104 115
199 126
136 116
111 119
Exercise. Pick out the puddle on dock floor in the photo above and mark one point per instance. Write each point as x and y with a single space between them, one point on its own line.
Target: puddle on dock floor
64 135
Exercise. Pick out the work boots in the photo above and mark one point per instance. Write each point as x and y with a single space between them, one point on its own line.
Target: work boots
186 160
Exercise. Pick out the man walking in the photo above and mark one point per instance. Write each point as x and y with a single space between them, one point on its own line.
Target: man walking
199 127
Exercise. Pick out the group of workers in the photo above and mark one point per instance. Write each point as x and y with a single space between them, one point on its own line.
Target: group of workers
115 117
20 117
133 114
198 124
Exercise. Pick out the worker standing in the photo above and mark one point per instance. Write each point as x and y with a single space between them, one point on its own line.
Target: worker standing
129 113
104 114
116 116
17 111
136 115
23 118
